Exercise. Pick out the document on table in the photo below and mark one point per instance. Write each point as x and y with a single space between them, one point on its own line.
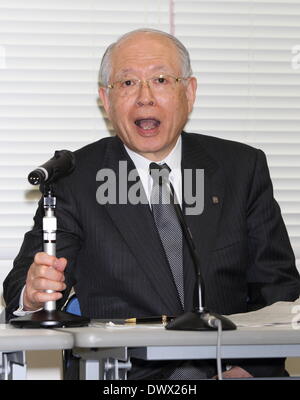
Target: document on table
114 325
280 313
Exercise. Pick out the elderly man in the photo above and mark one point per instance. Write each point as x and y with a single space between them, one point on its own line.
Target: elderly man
117 255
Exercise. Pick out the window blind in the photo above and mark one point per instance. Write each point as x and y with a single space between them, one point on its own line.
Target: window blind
50 53
244 54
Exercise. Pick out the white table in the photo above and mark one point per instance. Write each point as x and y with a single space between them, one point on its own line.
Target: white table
105 351
14 342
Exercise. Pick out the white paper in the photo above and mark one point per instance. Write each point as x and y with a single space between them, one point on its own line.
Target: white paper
280 313
113 325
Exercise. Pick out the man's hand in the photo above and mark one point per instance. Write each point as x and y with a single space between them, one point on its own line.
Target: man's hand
235 373
45 273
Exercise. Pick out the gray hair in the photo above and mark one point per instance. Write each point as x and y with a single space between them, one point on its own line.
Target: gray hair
105 67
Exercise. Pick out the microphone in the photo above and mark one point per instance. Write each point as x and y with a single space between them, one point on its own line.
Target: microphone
61 164
200 318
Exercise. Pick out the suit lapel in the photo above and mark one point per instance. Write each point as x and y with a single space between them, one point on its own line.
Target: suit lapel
136 225
203 226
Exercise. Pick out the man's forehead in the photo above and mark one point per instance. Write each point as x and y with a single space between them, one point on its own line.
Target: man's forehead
143 45
146 53
149 67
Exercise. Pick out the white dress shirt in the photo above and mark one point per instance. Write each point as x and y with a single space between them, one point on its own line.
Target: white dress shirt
174 162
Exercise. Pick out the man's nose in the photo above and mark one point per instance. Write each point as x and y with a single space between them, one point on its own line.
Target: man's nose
145 94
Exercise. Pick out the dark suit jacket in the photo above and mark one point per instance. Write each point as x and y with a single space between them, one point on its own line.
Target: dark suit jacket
115 258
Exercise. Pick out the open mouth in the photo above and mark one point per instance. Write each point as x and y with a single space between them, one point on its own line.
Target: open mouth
147 123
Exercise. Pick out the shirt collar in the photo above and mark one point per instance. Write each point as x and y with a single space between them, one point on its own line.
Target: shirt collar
173 159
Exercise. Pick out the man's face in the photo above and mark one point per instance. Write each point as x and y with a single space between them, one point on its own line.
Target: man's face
148 121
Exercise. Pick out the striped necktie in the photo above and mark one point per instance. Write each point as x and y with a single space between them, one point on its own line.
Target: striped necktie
162 200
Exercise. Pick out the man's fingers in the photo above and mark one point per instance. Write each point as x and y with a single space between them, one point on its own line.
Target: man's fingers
44 259
60 264
42 297
50 261
234 373
47 284
49 273
46 272
48 266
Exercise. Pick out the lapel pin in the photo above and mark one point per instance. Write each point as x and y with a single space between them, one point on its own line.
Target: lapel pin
215 199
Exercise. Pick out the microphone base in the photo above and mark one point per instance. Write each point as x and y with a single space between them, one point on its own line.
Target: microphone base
200 321
49 319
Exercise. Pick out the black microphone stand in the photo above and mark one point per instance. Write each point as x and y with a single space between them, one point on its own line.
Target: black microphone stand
49 317
200 318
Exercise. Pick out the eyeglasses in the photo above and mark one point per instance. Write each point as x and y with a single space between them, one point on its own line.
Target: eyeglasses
158 84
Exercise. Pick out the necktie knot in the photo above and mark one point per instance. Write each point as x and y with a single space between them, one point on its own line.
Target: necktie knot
159 173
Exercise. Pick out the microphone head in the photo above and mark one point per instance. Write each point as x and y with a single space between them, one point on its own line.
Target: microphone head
36 177
58 166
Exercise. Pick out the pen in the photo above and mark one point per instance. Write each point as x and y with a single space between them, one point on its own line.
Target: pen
161 319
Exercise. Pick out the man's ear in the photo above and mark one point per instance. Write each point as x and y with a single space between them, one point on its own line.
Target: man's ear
191 92
103 94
